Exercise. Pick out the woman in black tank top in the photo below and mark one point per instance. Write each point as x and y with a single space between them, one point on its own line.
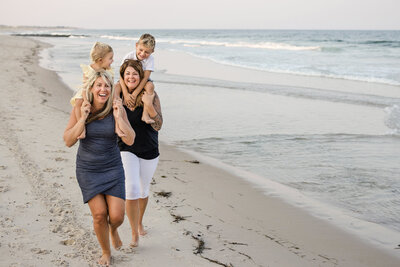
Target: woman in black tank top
140 159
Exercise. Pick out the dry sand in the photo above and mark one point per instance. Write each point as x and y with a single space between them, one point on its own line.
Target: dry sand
198 215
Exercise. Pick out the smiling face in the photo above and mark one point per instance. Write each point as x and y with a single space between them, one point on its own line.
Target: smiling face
101 91
107 60
131 78
143 52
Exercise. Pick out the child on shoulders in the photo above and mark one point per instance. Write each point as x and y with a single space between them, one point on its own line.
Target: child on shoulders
101 56
143 52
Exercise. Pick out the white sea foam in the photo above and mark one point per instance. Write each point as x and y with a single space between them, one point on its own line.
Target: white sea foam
258 45
122 38
289 70
392 118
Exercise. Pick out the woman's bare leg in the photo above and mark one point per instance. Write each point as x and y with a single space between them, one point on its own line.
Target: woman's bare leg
132 211
98 208
142 209
116 213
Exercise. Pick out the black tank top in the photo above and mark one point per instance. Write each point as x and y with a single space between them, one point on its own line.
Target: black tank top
146 140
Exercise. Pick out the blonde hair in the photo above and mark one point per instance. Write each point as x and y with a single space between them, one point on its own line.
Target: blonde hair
99 50
147 40
89 95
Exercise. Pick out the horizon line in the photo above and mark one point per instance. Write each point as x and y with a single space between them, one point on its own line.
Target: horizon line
254 29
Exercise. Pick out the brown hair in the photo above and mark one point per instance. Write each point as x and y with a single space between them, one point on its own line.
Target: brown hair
136 65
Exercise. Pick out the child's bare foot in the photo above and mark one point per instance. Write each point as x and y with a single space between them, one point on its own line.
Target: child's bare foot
146 118
105 260
141 230
115 240
83 134
135 241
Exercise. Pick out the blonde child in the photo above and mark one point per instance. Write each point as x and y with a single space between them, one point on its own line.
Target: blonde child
101 56
143 52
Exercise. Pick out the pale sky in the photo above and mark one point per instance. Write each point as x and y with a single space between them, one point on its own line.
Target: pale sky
204 14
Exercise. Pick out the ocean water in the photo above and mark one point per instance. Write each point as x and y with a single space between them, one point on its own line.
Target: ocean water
339 148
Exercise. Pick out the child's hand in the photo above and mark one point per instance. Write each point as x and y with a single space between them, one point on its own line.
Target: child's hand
85 109
130 100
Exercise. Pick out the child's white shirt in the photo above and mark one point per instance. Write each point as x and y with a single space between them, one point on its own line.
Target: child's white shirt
147 64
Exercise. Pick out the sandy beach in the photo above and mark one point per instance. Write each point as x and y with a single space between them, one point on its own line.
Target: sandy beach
198 215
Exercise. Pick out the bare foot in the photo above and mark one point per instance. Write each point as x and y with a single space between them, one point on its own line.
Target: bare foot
146 118
105 260
135 241
83 135
115 240
141 230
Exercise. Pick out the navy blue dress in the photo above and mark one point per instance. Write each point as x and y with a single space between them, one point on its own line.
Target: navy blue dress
99 167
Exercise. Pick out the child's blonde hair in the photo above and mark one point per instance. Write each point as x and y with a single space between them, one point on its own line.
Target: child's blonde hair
147 40
106 76
99 50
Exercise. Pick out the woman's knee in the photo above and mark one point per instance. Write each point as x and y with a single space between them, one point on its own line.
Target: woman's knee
116 219
100 216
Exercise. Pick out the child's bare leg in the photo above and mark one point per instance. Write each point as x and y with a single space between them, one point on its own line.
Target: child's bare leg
77 107
149 88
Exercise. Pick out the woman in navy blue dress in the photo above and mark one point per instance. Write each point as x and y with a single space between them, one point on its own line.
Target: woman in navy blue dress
99 169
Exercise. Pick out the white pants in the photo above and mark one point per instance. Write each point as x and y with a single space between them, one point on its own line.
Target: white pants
138 175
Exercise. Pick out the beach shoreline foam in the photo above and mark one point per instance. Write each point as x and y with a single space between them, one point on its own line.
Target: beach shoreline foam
209 216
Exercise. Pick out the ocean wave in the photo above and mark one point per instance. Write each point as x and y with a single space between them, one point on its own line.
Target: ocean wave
257 45
56 35
250 139
382 42
303 73
123 38
293 91
331 49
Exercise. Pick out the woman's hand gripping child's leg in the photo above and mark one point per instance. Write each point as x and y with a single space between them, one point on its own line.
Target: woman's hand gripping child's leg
118 130
77 107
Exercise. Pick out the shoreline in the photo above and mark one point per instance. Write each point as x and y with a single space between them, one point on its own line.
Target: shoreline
372 233
206 203
201 67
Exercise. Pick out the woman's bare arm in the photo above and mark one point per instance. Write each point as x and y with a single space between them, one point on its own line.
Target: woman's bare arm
73 130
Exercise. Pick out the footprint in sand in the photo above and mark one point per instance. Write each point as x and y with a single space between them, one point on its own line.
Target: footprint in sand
40 251
57 185
4 188
49 170
68 242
